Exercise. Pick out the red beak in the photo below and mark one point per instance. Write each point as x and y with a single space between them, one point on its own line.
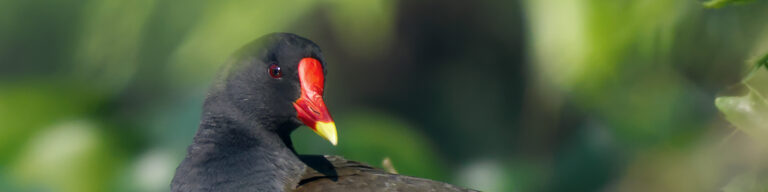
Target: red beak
310 107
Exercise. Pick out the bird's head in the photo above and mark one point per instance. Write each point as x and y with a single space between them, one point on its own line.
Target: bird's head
279 79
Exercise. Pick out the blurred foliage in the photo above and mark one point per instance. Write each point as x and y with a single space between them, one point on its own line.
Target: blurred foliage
70 156
749 114
746 182
617 53
532 95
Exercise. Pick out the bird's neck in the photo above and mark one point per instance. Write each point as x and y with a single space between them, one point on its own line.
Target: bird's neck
230 154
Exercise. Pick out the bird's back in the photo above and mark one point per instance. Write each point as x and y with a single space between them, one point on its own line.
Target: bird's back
348 175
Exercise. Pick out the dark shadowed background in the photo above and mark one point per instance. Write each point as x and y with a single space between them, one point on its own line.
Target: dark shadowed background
532 95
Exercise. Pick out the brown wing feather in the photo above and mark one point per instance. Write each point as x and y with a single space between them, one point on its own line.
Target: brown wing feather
355 176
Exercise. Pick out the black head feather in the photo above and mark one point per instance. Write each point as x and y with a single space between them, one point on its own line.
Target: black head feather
246 84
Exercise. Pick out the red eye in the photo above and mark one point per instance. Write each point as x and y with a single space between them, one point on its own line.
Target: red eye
274 71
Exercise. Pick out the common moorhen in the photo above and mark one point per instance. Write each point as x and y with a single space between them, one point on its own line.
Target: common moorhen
269 88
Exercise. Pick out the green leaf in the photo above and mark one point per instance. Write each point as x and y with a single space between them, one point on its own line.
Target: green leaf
721 3
749 113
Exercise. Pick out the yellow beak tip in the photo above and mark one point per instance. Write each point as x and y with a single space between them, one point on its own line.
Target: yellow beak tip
327 130
334 142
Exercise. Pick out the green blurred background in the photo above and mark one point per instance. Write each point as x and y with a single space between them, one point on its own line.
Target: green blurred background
532 95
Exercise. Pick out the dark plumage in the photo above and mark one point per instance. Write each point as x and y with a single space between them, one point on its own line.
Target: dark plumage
243 142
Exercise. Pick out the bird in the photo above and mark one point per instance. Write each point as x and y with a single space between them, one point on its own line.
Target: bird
266 90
